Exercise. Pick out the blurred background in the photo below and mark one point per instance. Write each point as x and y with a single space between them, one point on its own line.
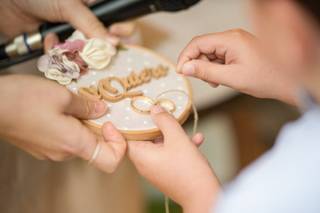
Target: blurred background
238 129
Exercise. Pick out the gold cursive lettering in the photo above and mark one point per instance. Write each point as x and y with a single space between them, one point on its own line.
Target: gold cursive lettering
115 89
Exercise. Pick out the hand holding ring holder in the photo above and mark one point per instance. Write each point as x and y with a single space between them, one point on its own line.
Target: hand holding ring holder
130 115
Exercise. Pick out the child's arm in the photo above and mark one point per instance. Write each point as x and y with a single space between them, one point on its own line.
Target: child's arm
235 59
176 166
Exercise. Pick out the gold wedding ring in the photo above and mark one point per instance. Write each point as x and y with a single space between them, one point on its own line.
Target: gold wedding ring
145 100
166 104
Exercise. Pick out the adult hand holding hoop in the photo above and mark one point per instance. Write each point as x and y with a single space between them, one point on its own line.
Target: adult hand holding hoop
41 118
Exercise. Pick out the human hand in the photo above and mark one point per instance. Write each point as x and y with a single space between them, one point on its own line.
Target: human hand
40 117
175 166
26 16
234 59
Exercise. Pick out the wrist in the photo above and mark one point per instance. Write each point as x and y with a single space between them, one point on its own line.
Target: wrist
196 209
199 206
289 96
203 200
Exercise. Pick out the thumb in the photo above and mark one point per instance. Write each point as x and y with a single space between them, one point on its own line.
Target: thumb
85 109
209 71
169 126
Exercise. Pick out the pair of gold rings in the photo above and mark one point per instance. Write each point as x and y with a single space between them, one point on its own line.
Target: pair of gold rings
166 104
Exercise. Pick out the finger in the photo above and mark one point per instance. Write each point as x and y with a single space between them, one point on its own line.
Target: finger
50 41
80 16
198 139
169 126
124 29
113 149
143 152
210 44
203 57
80 141
207 58
140 148
85 109
210 71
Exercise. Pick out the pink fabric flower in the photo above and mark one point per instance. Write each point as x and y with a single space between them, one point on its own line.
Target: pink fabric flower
75 57
72 46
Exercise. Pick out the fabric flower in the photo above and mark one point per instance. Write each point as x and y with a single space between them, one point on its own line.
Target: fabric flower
75 57
97 53
56 66
67 61
56 75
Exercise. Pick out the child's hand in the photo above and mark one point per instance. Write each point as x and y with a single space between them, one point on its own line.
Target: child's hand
41 118
234 59
176 166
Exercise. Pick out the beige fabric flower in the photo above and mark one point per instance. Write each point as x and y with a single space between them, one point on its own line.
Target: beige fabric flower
58 76
97 53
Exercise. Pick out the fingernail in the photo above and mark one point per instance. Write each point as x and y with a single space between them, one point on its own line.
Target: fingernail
188 69
109 126
157 109
99 107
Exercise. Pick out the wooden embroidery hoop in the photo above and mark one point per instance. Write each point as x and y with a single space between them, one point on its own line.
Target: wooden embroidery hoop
140 135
